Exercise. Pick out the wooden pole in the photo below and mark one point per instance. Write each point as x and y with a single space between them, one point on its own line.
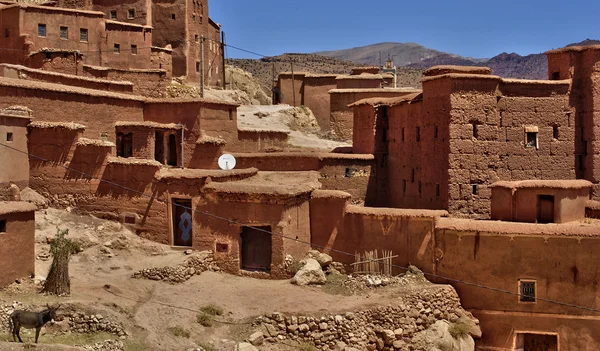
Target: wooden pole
223 59
202 66
293 85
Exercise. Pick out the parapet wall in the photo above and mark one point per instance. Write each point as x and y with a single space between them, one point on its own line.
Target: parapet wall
148 83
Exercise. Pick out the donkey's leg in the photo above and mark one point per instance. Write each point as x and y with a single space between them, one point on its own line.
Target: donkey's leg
17 329
37 333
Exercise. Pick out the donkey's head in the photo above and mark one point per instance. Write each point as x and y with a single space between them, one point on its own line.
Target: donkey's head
52 313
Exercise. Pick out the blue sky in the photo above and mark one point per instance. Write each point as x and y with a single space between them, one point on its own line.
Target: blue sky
464 27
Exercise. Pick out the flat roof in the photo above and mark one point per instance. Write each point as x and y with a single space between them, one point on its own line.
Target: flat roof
51 125
189 173
375 90
132 161
16 111
390 101
70 76
317 155
572 229
573 49
55 9
8 207
286 184
442 69
534 183
147 124
395 212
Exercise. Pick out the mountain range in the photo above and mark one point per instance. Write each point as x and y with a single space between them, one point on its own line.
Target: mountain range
413 55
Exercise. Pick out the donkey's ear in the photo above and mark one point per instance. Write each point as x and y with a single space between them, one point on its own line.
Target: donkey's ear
48 305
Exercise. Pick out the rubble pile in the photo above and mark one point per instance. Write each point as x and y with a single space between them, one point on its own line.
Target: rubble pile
396 327
194 265
81 323
108 345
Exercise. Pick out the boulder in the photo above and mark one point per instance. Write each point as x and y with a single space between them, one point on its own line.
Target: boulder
310 273
438 335
257 338
33 197
324 260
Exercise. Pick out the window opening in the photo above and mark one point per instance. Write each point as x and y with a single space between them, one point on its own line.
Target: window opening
555 75
9 137
527 291
83 34
42 30
117 48
131 13
64 32
474 189
172 156
124 145
113 14
532 139
2 225
134 49
555 133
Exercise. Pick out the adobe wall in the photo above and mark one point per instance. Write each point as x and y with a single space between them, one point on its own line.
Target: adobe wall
161 58
21 72
350 173
363 135
488 121
15 165
149 83
170 31
353 82
289 219
472 254
316 97
95 109
288 88
58 62
10 19
213 54
126 36
19 238
259 141
342 118
143 12
582 65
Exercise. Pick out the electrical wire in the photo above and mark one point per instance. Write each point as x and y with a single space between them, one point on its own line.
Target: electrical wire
166 202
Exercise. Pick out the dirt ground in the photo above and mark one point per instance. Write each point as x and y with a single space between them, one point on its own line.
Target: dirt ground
101 282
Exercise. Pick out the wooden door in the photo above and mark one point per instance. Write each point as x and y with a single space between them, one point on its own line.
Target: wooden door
546 209
540 342
182 222
256 249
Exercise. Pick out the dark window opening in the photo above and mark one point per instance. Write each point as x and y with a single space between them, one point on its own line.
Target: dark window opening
532 139
200 20
172 157
193 17
6 33
527 291
404 186
384 160
474 189
130 219
475 126
581 162
41 30
134 49
418 133
48 55
197 66
402 134
9 137
555 75
222 247
196 37
412 176
64 32
131 13
256 249
437 190
124 145
83 34
113 14
545 209
420 188
2 225
173 16
435 132
117 48
555 133
159 147
231 114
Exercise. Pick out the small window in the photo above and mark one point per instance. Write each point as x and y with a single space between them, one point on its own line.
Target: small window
124 145
200 20
527 291
64 32
231 114
402 134
6 33
435 132
117 48
83 34
131 13
196 37
197 66
475 130
404 186
193 17
474 189
420 188
129 219
437 190
134 49
113 14
555 75
2 226
222 247
412 176
418 134
173 16
532 139
41 30
555 133
9 137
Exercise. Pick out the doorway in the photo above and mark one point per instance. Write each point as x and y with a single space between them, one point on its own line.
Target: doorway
172 158
536 342
256 249
545 209
181 214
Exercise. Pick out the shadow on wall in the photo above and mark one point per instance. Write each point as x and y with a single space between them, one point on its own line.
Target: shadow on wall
137 178
53 144
204 156
87 162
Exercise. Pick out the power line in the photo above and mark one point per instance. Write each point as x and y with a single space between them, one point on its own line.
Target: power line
166 202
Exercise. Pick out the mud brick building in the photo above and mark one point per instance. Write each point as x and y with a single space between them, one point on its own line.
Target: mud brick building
15 164
17 241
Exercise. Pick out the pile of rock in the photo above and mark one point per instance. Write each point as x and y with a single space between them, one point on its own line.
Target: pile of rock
194 265
108 345
395 327
82 323
5 312
313 268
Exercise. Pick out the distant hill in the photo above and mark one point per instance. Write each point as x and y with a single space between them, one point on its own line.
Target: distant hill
413 55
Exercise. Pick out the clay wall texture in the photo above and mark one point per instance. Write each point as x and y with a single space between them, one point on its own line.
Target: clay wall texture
21 72
341 117
290 88
57 62
259 141
148 83
15 165
582 65
142 12
134 46
316 97
17 246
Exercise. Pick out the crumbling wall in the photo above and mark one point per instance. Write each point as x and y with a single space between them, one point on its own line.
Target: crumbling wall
259 141
162 59
149 83
59 62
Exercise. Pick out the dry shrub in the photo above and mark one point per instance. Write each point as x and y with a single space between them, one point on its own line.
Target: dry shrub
212 310
179 332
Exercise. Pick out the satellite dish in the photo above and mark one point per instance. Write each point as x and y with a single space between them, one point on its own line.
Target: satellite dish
227 162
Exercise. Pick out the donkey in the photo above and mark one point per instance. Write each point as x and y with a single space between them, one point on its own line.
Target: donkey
31 320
